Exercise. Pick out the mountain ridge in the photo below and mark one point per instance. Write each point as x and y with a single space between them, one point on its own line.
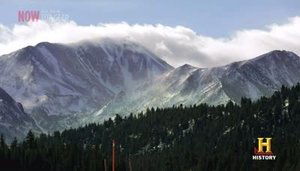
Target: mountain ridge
14 122
219 84
69 85
75 79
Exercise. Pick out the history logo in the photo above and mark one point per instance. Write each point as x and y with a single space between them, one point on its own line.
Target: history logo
264 150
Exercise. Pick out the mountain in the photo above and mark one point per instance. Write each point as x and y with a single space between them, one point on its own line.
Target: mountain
253 78
60 84
199 137
189 85
14 122
262 75
69 85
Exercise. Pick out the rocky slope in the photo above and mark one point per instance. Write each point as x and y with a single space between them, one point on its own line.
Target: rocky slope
69 85
14 122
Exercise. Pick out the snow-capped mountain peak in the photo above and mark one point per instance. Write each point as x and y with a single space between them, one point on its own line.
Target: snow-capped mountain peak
63 85
68 79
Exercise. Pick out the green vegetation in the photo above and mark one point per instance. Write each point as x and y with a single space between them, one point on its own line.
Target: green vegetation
198 137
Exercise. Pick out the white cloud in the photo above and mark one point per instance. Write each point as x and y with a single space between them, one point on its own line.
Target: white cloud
177 45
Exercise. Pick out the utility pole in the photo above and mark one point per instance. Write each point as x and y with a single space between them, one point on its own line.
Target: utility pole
105 166
113 155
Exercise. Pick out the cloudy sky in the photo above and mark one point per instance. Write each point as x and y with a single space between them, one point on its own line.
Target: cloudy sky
197 32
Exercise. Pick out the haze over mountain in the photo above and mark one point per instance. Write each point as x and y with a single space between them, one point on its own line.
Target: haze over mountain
14 122
68 85
63 80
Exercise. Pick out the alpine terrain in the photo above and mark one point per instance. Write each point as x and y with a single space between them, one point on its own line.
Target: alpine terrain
14 122
70 85
189 85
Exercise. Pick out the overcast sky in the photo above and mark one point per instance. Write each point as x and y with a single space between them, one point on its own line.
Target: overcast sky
198 32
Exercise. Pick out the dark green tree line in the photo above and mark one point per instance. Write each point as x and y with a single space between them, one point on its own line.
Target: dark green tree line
197 137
